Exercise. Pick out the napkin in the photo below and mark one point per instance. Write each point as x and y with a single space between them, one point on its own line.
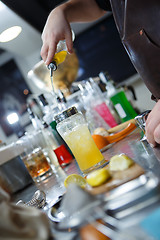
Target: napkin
21 222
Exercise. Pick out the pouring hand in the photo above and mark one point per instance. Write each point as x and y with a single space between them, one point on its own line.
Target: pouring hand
152 128
56 28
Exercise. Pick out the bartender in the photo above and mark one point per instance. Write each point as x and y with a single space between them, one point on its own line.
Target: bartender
138 23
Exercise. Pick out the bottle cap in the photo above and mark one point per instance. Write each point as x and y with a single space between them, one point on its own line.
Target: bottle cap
52 67
43 100
45 125
53 124
65 114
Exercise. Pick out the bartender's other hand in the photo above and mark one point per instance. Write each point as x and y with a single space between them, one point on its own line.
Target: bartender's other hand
56 28
152 127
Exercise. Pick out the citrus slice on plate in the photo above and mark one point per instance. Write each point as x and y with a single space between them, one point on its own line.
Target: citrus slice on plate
75 178
120 162
98 177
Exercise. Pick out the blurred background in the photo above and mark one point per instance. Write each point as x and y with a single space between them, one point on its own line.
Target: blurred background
97 48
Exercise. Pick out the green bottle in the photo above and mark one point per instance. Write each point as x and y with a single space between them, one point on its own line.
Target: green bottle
60 140
119 100
122 106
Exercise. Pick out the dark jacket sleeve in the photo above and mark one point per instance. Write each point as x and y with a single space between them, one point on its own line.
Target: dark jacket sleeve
104 4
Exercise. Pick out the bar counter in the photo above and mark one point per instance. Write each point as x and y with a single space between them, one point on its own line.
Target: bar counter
139 151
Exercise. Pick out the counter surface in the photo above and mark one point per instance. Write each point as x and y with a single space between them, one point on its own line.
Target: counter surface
139 151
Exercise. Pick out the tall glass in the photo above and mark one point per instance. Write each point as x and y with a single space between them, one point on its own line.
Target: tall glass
72 126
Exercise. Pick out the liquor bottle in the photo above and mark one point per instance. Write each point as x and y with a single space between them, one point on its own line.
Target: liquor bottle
61 101
119 100
44 104
92 117
97 102
59 154
48 110
60 55
36 122
35 107
62 152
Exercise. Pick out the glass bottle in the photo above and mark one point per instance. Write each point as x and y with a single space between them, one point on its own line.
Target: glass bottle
59 154
61 150
119 100
33 104
93 119
72 126
49 110
98 103
46 108
60 55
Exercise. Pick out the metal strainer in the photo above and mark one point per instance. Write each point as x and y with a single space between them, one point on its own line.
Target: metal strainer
38 200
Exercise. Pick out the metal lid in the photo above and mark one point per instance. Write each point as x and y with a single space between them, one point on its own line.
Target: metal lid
65 114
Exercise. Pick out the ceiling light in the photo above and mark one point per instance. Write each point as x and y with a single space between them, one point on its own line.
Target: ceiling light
2 6
13 118
10 33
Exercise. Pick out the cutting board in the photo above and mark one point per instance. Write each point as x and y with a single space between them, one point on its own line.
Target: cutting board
118 178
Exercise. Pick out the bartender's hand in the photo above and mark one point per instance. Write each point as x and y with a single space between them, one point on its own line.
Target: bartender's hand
152 127
56 28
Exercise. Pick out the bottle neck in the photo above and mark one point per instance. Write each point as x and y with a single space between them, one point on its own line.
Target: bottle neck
106 79
36 122
52 67
111 90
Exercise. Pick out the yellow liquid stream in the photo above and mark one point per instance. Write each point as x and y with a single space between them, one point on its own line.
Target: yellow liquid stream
60 57
83 147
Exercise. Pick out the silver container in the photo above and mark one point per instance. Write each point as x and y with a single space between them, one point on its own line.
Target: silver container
13 173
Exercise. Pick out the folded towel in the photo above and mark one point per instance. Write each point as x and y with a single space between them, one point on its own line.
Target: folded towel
21 222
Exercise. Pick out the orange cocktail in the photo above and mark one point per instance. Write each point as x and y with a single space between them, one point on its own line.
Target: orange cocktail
84 148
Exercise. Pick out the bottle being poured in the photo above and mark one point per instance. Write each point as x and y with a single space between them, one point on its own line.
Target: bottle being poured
59 57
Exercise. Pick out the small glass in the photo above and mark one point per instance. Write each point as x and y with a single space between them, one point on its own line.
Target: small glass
63 155
72 126
36 156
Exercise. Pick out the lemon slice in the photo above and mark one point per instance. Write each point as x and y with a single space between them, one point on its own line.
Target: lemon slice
120 162
98 177
75 178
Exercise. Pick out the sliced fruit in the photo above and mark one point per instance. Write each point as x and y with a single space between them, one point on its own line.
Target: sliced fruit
101 131
75 178
98 177
120 162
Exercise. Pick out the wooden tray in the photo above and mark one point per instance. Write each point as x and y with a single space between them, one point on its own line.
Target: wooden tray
118 178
